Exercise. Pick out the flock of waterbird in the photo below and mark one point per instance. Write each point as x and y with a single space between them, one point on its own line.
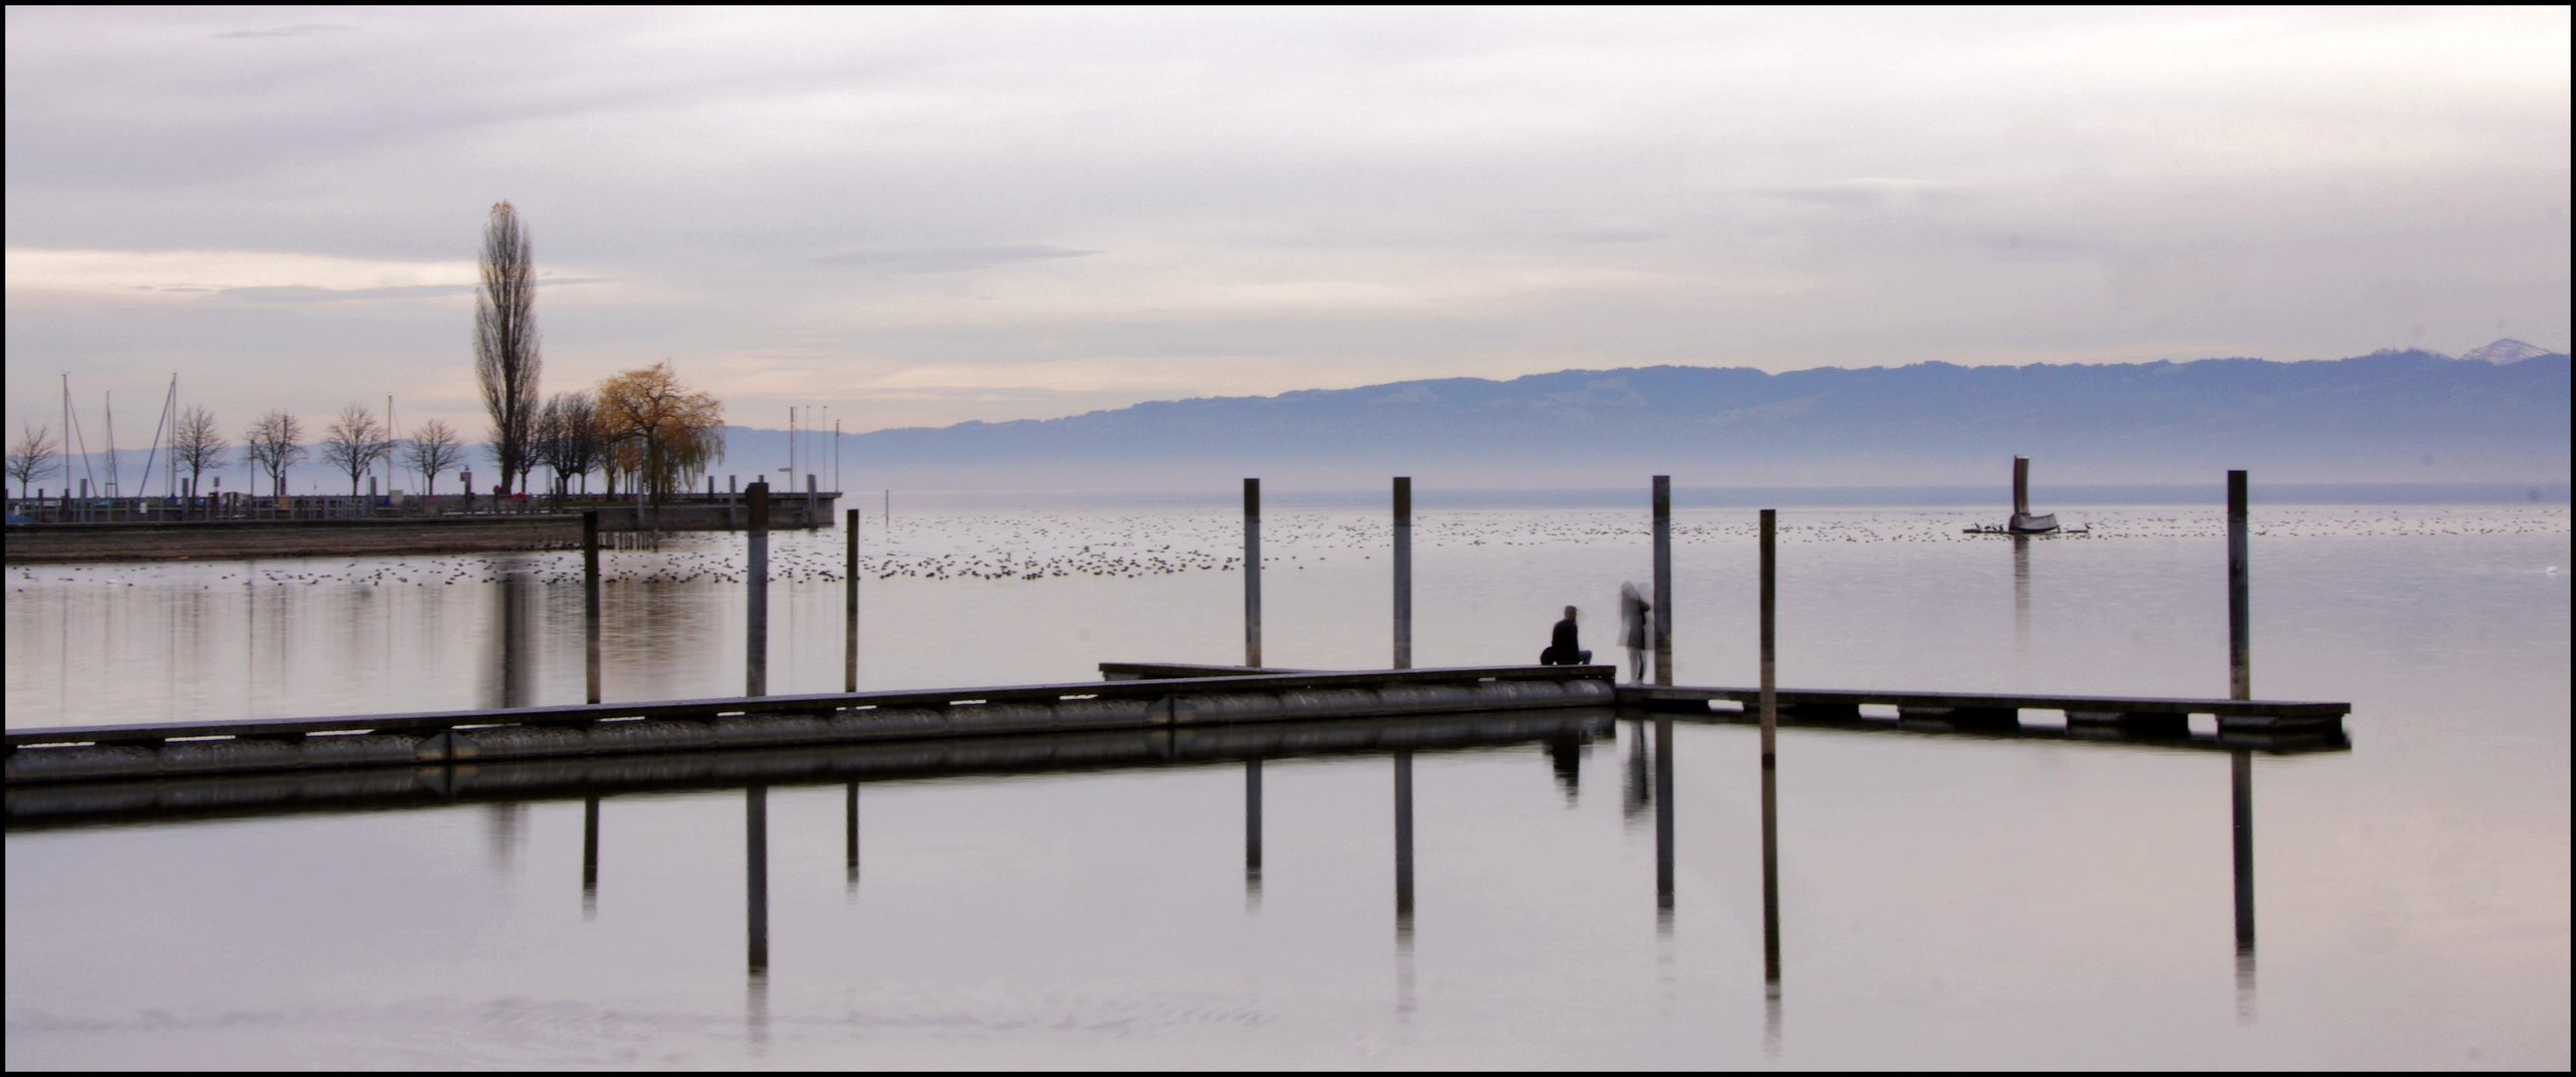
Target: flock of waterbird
1043 545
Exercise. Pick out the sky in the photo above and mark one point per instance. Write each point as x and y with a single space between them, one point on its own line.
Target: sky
920 217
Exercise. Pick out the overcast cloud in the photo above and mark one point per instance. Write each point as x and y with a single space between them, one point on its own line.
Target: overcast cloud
924 216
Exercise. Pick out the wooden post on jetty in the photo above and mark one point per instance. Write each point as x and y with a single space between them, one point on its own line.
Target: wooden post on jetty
850 610
756 576
590 604
1770 603
1403 572
2240 628
1252 574
813 506
1663 614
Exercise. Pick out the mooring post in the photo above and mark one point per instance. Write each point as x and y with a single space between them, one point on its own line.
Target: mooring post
755 817
1404 841
813 505
756 577
1252 574
850 611
590 856
1770 603
2240 625
1663 579
1403 572
590 605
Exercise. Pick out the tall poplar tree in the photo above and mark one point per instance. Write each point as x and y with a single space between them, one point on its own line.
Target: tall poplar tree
506 359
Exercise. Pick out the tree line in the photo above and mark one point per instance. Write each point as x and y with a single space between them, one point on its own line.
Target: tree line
641 427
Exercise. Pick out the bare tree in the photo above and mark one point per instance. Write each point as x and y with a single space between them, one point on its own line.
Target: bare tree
34 457
662 432
433 449
198 445
570 435
272 444
506 360
354 442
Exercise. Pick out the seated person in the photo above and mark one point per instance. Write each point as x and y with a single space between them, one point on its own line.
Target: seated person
1564 649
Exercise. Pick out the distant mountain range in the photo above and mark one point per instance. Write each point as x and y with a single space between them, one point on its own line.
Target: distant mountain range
2498 414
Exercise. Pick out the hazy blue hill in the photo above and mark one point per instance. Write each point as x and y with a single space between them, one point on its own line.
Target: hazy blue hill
2372 417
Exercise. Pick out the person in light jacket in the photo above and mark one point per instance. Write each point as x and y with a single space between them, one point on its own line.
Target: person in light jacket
1633 611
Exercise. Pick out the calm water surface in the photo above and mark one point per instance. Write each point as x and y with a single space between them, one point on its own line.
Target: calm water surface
1942 901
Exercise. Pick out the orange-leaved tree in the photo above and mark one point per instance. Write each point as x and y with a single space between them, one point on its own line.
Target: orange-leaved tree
662 434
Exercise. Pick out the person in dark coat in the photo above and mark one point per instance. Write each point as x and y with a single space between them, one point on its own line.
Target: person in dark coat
1564 648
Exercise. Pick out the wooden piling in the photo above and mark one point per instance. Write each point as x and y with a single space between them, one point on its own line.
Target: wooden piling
1770 602
2240 627
590 604
813 506
756 578
850 609
1403 572
1252 573
1663 612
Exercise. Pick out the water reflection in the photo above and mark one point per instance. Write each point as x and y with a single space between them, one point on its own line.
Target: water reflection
1771 906
2021 598
1251 834
1664 824
1565 757
590 857
2241 796
850 839
1404 882
1638 792
755 865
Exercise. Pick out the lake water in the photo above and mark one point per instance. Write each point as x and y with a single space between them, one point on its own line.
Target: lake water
1942 901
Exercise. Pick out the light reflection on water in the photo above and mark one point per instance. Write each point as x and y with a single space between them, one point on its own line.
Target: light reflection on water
1938 902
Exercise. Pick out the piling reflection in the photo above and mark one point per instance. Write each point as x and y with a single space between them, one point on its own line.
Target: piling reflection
1251 834
1664 824
590 857
2021 597
2241 789
1771 906
850 839
1403 882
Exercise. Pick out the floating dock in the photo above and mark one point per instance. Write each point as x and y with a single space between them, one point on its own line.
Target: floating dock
1136 696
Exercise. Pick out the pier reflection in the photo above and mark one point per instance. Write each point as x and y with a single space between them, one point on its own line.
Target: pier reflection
755 859
1403 882
1664 824
850 839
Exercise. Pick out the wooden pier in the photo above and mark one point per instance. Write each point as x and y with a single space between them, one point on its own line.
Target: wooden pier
91 753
